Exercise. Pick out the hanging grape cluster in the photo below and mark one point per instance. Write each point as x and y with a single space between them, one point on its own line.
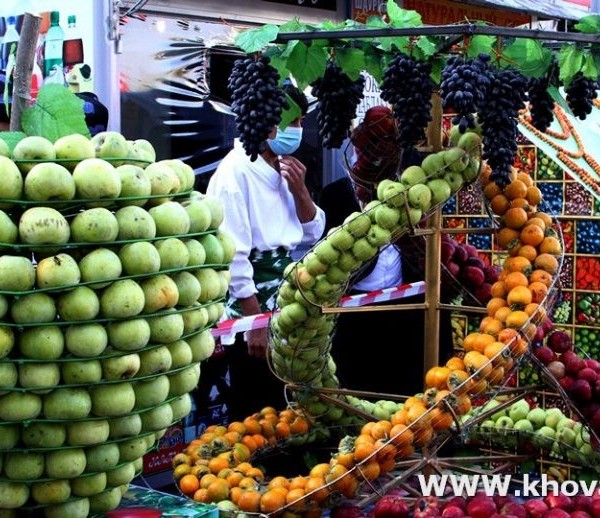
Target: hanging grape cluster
338 98
498 113
541 103
257 101
581 93
407 86
463 86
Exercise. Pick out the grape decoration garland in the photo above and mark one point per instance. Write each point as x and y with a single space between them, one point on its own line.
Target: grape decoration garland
338 99
257 101
407 86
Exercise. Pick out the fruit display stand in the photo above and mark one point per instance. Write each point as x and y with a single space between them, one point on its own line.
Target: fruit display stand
384 439
113 271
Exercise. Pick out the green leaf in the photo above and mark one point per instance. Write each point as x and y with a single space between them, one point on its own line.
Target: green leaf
589 24
307 63
528 56
293 25
437 65
400 43
12 138
253 40
376 22
570 60
57 112
480 44
279 63
558 98
402 17
351 61
427 46
374 63
291 113
590 67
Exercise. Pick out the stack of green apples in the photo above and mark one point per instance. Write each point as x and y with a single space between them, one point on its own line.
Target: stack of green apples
112 272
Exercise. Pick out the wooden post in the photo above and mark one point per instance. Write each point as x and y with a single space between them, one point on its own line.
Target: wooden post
433 254
21 95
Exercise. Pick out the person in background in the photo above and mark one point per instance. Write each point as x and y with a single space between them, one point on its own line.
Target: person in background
392 334
268 212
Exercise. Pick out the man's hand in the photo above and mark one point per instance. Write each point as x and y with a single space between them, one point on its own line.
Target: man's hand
294 172
258 342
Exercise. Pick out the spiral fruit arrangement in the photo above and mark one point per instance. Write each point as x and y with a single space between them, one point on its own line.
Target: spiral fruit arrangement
112 272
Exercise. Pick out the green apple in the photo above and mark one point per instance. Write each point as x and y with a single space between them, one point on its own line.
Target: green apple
135 223
80 303
23 465
340 238
387 217
413 175
43 225
544 436
212 247
518 410
51 491
57 271
17 273
33 308
110 145
49 181
122 299
65 463
183 381
202 345
565 422
13 495
125 426
583 437
31 150
106 501
67 403
199 213
378 236
102 457
71 149
20 406
87 485
9 232
100 265
566 435
112 399
456 159
313 264
41 342
504 423
40 434
152 392
326 252
163 181
171 219
120 367
132 449
455 181
394 195
188 287
471 172
335 275
140 257
96 225
357 224
471 143
4 148
166 328
210 284
87 433
553 417
145 149
185 173
129 335
434 165
158 418
440 190
537 416
9 376
382 186
39 378
160 292
347 262
135 185
523 425
85 372
420 196
96 179
155 361
194 317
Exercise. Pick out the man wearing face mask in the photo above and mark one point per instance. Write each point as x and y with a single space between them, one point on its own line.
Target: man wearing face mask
268 212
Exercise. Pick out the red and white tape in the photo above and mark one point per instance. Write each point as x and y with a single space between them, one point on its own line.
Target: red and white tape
261 320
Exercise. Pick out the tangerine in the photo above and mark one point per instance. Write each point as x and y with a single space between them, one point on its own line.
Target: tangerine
502 313
500 204
499 289
518 264
522 203
519 296
546 218
542 276
249 501
218 490
550 245
494 304
507 237
189 484
515 189
515 218
525 178
534 195
201 495
517 319
531 235
546 262
528 251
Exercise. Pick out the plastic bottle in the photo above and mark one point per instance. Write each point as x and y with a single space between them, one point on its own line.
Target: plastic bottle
53 46
73 44
11 36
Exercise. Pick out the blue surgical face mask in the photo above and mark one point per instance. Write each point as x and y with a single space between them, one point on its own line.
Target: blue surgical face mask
286 141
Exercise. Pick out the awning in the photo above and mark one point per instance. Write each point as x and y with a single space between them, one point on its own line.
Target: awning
556 9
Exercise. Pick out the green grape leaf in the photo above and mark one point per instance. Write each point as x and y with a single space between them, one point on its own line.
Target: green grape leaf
589 24
590 67
57 112
376 22
307 63
402 17
374 63
294 25
427 46
437 65
558 98
400 42
12 138
480 44
351 61
253 40
570 60
291 113
529 56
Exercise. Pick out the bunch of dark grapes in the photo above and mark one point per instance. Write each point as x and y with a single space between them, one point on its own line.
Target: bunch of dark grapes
498 115
338 99
463 86
407 86
581 93
541 103
257 102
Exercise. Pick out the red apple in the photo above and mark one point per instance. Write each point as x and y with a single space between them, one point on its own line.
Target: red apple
347 511
592 364
581 390
483 293
544 353
452 511
580 514
557 512
557 369
391 507
472 276
588 374
566 383
595 506
582 502
559 500
560 341
574 365
426 507
515 509
457 501
481 507
536 508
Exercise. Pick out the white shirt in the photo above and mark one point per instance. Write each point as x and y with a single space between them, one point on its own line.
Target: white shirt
259 213
386 274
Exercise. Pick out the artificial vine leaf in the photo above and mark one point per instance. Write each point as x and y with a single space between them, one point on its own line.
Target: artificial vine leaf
57 112
12 138
351 61
589 68
558 98
570 60
427 46
374 64
279 63
528 56
589 24
294 25
253 40
290 114
307 64
402 17
401 43
437 65
376 22
480 44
